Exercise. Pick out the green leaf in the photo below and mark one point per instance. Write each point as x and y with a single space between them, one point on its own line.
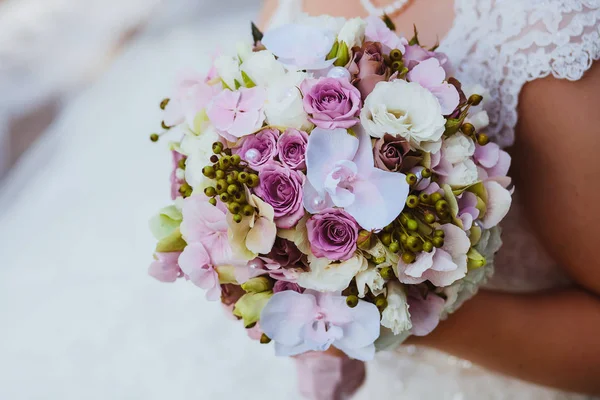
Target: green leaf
333 52
452 126
415 38
451 199
343 55
250 305
247 81
257 35
388 22
237 84
257 285
172 243
165 222
225 85
475 259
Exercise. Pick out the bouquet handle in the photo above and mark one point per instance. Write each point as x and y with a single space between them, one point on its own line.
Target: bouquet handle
329 376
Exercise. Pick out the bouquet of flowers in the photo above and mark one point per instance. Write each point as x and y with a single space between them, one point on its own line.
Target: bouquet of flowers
332 186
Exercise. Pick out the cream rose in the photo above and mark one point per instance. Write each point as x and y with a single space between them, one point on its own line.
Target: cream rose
462 174
353 32
457 148
404 109
263 68
284 102
198 149
327 276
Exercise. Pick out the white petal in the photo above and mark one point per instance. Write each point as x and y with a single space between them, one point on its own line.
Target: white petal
499 201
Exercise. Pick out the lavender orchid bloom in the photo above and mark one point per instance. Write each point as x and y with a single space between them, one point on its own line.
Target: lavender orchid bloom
341 172
424 311
314 321
300 47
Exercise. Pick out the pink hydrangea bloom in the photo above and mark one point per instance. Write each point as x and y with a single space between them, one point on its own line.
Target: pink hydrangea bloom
467 209
493 162
196 263
165 268
431 75
424 311
238 113
443 265
314 321
191 95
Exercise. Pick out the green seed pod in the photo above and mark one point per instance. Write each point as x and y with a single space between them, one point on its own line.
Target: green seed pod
403 238
237 218
424 198
427 247
208 172
240 197
234 208
397 65
230 180
426 173
220 174
248 210
225 162
217 147
396 55
438 241
408 257
165 126
386 239
243 177
429 218
386 273
210 191
253 180
411 179
482 139
412 225
221 186
439 233
232 189
412 201
236 159
181 163
352 301
379 260
212 201
154 137
468 129
475 99
442 206
214 159
394 247
381 303
163 103
414 244
435 197
224 197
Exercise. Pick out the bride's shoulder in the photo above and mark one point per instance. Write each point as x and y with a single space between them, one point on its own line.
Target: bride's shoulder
506 43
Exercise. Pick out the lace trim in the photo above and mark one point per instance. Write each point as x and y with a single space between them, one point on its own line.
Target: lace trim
504 44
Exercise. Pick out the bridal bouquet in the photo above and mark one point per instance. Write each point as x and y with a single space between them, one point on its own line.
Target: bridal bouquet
332 187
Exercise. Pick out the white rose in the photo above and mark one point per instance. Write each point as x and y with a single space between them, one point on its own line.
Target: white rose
457 148
284 102
244 50
333 24
263 68
462 174
396 316
480 120
404 109
228 69
198 149
353 32
372 279
327 276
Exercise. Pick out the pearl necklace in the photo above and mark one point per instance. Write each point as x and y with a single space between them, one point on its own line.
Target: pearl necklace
379 11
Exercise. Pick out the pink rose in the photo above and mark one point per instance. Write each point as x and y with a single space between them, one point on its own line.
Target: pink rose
368 67
282 189
332 103
292 148
258 149
332 234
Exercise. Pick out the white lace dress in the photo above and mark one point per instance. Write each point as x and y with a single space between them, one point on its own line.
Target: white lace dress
500 45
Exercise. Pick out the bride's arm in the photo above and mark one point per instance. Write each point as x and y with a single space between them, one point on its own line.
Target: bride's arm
551 338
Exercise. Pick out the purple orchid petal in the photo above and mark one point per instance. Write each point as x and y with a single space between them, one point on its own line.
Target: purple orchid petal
499 201
284 316
487 155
